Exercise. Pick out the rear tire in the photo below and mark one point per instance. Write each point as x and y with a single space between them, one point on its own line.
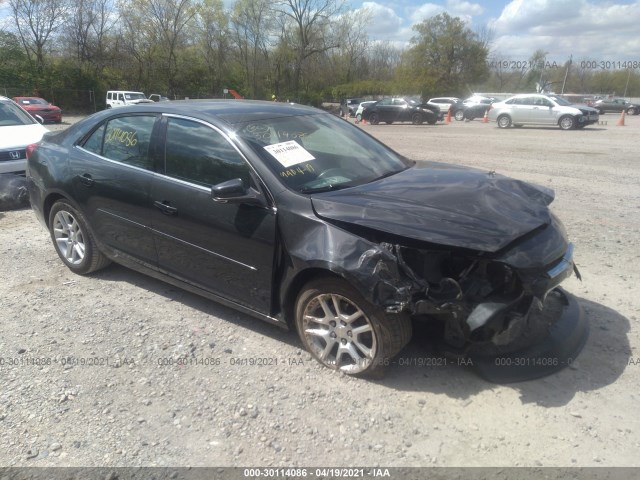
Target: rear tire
374 119
73 241
459 115
343 331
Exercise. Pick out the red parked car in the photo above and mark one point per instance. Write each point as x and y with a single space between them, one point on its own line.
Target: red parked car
39 106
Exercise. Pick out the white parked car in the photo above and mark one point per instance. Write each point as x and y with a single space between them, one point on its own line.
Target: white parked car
18 129
361 108
122 98
537 109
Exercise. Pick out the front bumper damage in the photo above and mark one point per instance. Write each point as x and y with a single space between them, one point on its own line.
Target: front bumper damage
553 341
511 324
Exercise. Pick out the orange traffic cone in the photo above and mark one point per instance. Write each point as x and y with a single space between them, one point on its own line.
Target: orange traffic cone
448 119
621 121
485 119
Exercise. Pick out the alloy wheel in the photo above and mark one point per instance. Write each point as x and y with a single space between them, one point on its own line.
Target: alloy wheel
69 237
339 333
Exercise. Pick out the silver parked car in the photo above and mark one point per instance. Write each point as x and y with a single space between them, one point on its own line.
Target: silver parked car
537 109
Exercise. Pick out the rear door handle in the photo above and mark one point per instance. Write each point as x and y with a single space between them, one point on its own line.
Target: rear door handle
165 207
86 180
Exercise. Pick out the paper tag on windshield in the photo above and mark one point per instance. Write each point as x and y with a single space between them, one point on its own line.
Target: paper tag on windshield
289 153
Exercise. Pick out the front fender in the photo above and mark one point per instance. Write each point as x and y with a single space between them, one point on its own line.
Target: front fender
317 246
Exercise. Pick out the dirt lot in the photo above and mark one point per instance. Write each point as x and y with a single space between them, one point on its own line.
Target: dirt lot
117 369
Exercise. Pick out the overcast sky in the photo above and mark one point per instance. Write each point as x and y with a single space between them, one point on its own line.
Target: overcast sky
597 30
600 31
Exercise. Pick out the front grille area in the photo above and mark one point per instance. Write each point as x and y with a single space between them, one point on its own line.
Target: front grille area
6 155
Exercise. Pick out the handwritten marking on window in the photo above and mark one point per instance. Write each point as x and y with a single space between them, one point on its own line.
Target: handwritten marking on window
128 138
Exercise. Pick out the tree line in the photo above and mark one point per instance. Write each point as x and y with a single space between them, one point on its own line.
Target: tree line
308 51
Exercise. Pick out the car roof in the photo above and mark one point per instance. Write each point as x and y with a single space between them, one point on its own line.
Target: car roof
230 111
30 96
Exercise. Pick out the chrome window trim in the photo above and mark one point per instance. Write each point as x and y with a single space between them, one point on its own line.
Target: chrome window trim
113 161
230 142
186 182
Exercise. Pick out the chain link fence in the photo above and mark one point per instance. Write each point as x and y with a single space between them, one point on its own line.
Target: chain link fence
70 101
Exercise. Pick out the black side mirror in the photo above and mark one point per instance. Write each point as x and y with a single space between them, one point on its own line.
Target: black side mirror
234 191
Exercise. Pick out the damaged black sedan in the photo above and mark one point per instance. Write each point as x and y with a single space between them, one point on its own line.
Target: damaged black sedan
301 219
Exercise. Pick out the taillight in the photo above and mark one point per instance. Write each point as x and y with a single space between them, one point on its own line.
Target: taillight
30 149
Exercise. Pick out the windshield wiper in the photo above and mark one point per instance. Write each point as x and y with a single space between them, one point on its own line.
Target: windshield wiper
387 174
324 188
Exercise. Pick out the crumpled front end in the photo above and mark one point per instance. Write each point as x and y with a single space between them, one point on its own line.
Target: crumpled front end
505 312
478 299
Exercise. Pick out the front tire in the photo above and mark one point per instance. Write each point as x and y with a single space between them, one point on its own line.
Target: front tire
504 121
343 331
631 111
567 122
459 115
416 119
73 241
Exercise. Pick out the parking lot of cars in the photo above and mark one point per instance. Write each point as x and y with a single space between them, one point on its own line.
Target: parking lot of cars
245 406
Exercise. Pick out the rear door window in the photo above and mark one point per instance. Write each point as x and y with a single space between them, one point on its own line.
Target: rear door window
124 139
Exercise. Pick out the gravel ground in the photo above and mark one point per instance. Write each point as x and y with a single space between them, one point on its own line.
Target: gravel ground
117 369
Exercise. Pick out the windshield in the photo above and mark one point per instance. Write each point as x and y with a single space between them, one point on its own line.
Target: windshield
134 96
12 115
315 153
562 101
33 101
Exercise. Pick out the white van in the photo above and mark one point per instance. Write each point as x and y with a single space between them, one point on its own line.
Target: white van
121 98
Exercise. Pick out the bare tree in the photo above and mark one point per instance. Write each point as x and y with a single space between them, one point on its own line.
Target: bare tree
382 59
310 24
253 23
36 21
158 27
87 27
351 33
212 31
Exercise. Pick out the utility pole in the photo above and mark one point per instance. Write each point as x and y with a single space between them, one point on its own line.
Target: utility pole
627 85
566 73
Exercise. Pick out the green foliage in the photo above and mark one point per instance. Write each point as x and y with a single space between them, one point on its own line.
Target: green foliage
446 56
258 48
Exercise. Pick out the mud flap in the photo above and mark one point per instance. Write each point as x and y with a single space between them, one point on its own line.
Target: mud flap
566 336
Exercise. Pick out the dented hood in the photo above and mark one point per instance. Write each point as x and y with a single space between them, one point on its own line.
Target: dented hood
443 204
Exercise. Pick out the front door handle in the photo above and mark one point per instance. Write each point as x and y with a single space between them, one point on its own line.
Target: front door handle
86 180
165 207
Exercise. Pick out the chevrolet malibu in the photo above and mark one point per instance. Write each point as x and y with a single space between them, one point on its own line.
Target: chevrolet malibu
296 217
